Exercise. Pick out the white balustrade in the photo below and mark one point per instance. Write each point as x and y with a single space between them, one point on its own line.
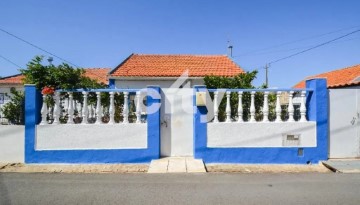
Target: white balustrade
267 104
44 111
138 108
112 109
126 108
216 111
70 109
90 113
98 108
240 107
266 107
278 107
228 108
252 107
57 109
85 108
303 107
291 107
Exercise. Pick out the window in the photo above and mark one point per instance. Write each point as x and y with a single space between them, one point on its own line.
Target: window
2 98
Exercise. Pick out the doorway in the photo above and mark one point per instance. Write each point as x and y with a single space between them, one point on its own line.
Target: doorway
176 122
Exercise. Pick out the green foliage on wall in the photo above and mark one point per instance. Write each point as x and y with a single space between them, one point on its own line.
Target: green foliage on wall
14 110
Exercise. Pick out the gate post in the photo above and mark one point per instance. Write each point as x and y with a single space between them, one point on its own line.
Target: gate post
317 103
200 125
32 118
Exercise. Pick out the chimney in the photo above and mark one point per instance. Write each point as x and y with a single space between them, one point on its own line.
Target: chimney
50 60
230 47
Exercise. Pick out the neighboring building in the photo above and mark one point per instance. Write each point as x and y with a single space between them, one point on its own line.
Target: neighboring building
140 70
98 74
16 82
344 119
6 84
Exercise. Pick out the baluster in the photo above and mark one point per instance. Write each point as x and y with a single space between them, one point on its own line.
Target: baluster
252 107
240 107
93 112
303 107
57 108
266 107
291 107
80 109
98 109
75 106
51 114
44 111
228 108
85 108
126 108
112 108
66 104
216 111
70 109
138 108
278 107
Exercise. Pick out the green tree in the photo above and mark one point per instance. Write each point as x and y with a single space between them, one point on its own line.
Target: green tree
62 76
14 110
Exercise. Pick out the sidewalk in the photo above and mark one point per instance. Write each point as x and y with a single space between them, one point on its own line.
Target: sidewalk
266 168
74 168
143 168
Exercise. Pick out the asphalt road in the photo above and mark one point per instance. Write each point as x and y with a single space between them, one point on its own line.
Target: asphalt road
305 188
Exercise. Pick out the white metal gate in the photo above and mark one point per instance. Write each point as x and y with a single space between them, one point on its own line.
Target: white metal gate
177 122
344 123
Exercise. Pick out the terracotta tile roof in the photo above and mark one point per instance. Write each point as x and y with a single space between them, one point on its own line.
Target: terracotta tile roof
142 65
337 78
98 74
14 79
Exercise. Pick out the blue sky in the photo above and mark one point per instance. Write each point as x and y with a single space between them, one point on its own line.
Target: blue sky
103 33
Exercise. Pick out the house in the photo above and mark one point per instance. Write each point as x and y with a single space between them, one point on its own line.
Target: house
8 83
344 120
16 82
140 70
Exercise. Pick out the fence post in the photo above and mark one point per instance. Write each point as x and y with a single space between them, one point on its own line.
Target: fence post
32 118
153 120
200 125
317 110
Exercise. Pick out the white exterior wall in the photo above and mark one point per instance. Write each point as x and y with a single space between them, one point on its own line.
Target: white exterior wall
344 122
92 136
258 134
12 143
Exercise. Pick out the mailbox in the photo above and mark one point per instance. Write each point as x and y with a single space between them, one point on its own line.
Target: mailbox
200 98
